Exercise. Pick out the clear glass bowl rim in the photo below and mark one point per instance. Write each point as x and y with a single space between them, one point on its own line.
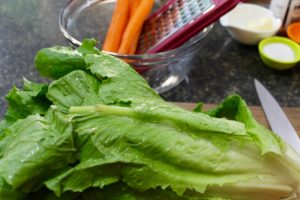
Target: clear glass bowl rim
184 49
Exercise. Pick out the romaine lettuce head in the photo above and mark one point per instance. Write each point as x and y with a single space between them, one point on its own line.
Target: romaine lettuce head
108 135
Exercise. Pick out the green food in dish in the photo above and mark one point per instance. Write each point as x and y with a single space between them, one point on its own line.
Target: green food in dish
98 131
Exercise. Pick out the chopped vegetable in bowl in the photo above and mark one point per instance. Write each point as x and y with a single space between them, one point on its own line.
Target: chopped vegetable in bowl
98 131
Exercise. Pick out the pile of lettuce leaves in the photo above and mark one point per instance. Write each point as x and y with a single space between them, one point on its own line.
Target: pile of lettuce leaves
98 131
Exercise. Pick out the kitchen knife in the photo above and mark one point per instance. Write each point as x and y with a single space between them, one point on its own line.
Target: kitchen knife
276 117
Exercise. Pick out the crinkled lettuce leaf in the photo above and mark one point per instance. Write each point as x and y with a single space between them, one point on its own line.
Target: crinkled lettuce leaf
149 139
35 148
149 154
120 84
30 100
76 88
108 135
56 62
235 108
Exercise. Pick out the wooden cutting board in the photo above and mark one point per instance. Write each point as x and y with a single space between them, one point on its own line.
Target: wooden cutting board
293 113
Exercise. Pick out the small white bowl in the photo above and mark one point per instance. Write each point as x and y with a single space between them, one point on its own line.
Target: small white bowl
249 23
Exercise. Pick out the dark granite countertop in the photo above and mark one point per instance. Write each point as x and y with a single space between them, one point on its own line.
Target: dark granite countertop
222 67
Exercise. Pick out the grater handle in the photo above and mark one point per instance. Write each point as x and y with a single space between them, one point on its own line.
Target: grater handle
185 33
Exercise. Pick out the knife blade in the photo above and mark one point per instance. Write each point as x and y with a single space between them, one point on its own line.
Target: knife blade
276 117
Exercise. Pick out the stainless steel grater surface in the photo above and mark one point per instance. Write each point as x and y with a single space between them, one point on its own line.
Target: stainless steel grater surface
169 19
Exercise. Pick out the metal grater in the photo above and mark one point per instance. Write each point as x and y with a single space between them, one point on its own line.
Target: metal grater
177 21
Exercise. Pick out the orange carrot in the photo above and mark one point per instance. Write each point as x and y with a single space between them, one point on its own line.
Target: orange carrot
135 25
117 26
135 42
134 4
133 7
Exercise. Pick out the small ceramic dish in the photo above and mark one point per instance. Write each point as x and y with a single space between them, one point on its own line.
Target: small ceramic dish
279 52
293 31
249 23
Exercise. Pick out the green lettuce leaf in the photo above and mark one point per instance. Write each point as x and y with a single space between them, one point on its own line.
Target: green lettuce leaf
120 82
125 132
58 61
88 47
103 133
177 147
35 148
30 100
120 146
235 108
76 88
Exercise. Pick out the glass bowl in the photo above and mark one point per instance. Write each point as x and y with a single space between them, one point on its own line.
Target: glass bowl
81 19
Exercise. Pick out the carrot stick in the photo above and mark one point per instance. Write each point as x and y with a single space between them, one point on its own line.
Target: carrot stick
135 25
117 26
134 4
133 7
135 42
